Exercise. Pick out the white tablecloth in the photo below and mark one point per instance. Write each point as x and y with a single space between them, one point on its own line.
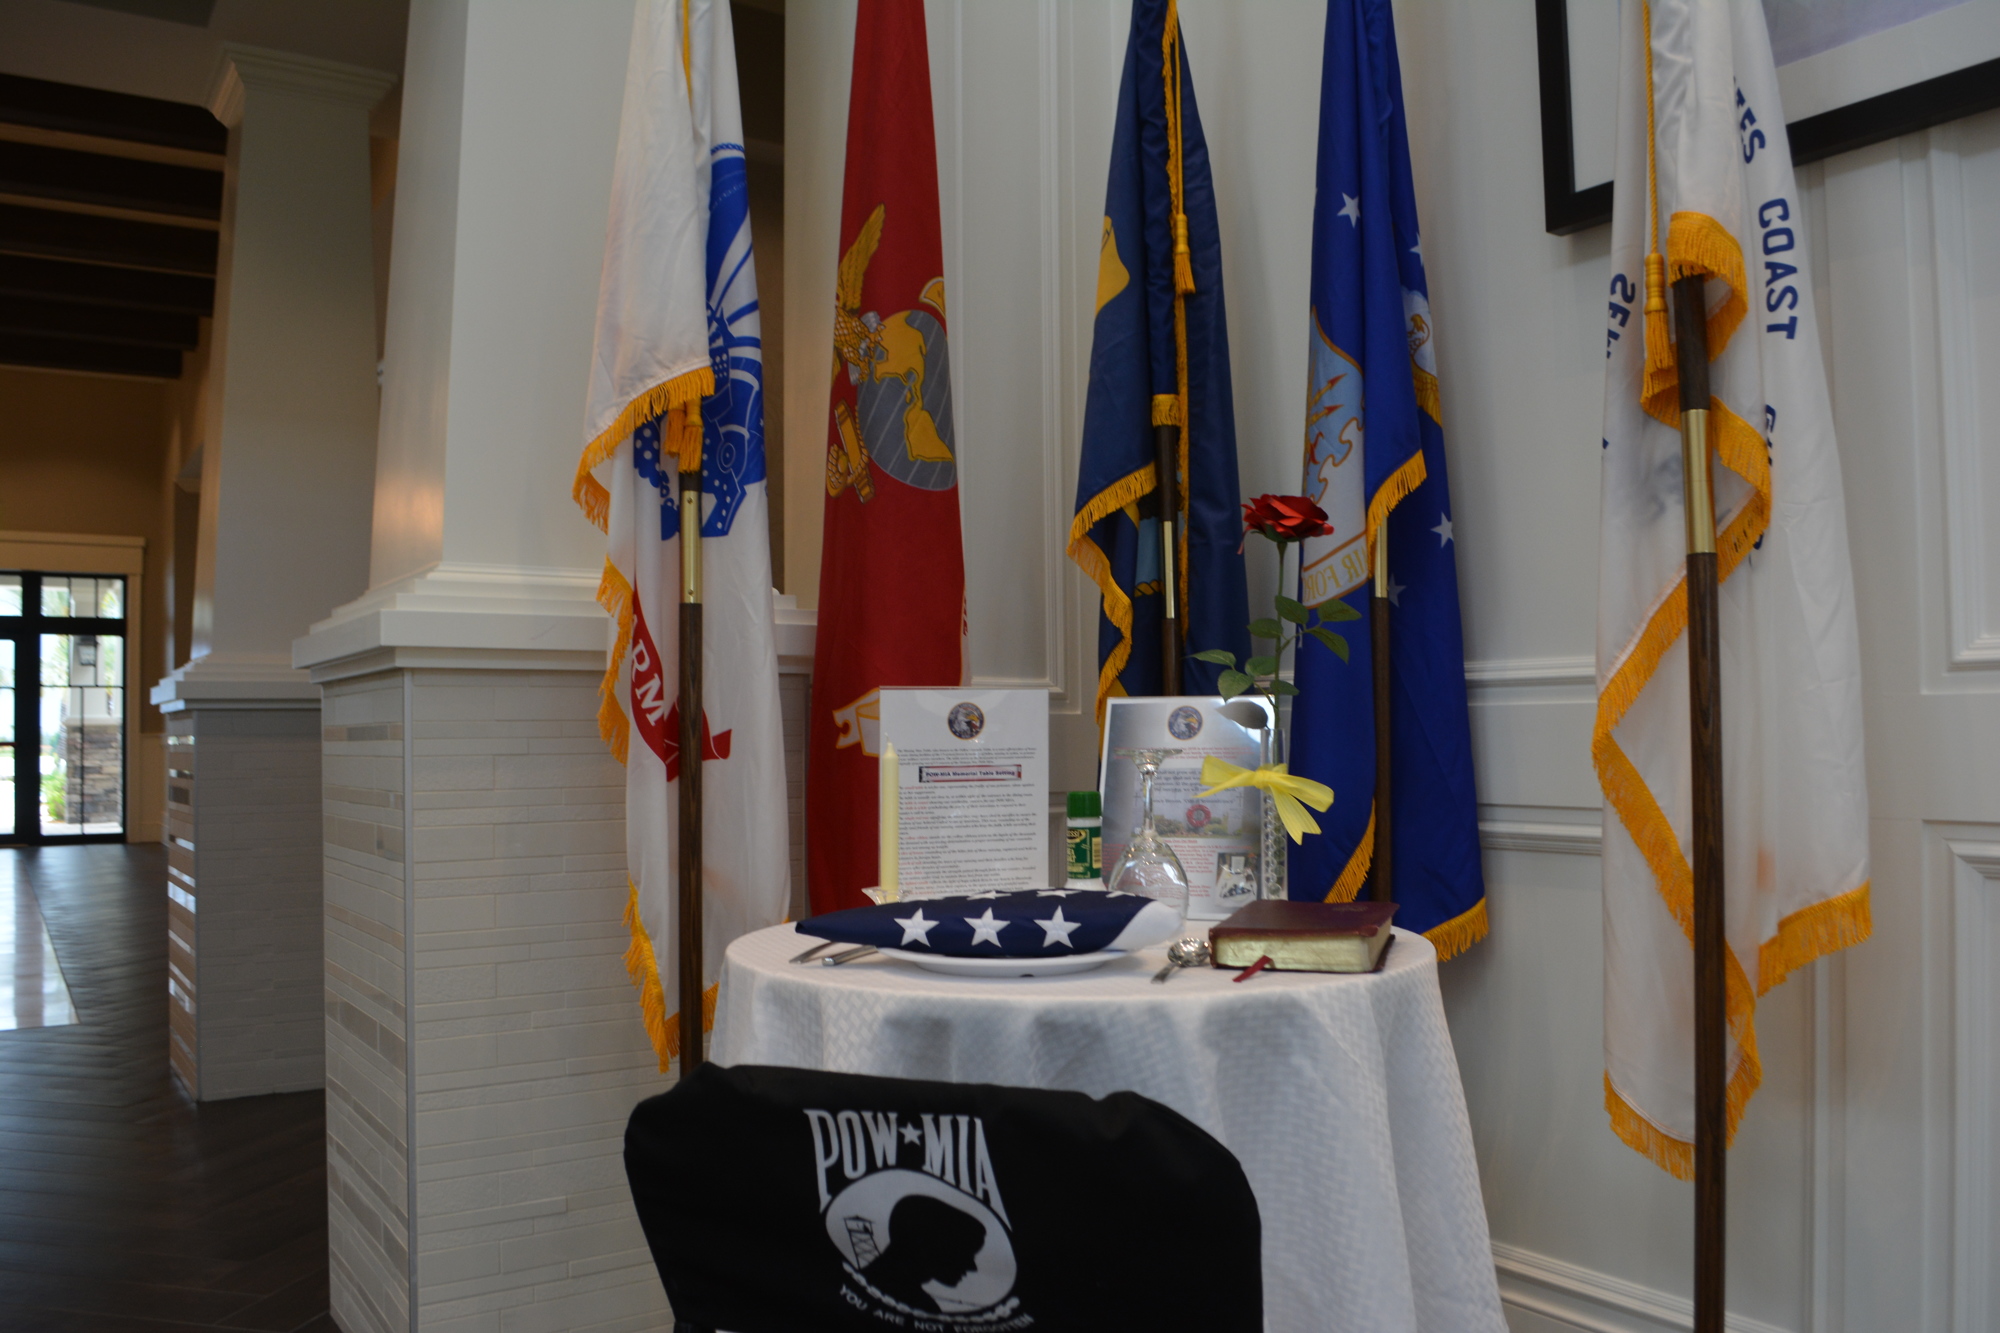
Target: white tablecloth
1339 1095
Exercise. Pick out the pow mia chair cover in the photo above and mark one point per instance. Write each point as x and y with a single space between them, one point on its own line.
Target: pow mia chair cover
781 1200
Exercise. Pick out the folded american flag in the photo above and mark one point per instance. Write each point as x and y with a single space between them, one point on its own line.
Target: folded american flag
1019 923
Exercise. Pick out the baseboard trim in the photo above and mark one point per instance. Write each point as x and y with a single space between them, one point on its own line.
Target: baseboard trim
1586 1299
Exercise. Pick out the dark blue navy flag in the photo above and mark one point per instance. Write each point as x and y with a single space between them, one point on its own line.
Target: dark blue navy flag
1159 356
1018 923
1374 460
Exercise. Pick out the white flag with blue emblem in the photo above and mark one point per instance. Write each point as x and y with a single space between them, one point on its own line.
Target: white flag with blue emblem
1713 194
678 359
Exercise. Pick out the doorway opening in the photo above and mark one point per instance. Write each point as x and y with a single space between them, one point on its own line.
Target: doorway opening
63 765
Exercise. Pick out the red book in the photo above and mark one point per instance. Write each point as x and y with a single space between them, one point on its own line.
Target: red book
1303 936
892 570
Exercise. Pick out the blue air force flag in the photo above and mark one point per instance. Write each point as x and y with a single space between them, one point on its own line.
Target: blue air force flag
679 358
1374 460
1018 923
1159 355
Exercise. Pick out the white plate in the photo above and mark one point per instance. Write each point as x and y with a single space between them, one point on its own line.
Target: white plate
1053 966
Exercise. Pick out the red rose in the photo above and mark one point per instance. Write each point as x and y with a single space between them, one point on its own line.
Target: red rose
1285 518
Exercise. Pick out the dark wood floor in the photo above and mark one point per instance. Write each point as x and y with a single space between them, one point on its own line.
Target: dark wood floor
124 1206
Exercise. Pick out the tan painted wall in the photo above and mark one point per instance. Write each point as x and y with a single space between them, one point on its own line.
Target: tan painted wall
89 454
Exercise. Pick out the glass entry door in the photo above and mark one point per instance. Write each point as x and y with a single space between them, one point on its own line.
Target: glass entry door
62 707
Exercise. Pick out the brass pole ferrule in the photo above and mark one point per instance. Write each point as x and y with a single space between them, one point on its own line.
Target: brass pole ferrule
1382 560
1696 485
1167 555
691 537
1656 284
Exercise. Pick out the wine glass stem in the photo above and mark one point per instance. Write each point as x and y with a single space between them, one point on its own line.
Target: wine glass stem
1146 773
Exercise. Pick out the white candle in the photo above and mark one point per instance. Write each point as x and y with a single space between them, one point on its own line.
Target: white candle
890 852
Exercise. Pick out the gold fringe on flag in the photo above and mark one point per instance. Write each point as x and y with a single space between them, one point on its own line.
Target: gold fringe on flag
663 1028
614 594
1672 1155
1390 494
1090 557
682 390
1355 873
1428 397
1811 933
1455 936
1450 938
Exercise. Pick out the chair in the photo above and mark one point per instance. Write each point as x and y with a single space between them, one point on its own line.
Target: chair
795 1201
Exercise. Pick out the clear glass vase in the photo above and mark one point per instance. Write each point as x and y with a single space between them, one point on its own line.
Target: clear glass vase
1275 843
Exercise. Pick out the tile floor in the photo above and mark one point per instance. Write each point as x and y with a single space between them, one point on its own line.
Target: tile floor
124 1206
32 991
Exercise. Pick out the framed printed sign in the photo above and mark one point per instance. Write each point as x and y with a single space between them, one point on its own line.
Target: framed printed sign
1850 72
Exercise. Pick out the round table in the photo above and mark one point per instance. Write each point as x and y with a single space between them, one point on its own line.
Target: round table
1338 1094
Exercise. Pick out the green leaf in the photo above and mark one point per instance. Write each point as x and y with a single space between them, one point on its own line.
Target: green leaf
1292 611
1335 610
1267 628
1334 643
1262 666
1283 687
1233 683
1219 656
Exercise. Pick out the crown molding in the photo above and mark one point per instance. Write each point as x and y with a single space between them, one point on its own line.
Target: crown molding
240 68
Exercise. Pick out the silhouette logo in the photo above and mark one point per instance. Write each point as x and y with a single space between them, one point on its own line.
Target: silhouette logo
913 1207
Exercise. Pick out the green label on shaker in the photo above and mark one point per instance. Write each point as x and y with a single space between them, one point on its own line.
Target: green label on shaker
1086 854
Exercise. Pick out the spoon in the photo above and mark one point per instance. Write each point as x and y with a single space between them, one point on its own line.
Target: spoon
1189 952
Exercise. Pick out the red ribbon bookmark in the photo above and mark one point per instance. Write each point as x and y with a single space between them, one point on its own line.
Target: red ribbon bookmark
1253 969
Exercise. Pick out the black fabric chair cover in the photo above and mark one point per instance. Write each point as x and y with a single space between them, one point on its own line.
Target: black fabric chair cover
794 1201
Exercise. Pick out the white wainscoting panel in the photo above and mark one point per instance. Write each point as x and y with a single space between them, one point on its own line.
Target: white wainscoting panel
1964 168
1975 885
1551 1293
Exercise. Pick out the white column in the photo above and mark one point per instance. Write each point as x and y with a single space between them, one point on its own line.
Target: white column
287 475
484 1045
291 396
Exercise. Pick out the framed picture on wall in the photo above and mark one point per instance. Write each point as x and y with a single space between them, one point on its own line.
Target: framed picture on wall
1850 72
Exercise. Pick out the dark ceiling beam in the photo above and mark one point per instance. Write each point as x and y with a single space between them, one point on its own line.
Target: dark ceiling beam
50 234
118 182
74 110
80 354
100 284
99 323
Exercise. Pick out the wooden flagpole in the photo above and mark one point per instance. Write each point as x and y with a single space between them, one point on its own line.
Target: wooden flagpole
1382 880
1711 1030
690 878
1166 465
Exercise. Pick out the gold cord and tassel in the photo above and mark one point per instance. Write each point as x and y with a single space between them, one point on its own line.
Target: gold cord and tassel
1170 73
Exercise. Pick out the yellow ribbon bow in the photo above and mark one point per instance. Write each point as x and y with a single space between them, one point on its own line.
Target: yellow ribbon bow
1286 791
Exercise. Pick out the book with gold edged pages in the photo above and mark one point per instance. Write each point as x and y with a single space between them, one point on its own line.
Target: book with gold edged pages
1303 936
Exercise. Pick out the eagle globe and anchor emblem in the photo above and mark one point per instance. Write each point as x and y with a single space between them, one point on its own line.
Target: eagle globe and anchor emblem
901 373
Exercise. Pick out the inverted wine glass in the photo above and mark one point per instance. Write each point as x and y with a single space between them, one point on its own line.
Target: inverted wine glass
1149 866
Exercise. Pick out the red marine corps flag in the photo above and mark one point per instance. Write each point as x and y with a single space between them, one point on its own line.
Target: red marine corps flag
892 574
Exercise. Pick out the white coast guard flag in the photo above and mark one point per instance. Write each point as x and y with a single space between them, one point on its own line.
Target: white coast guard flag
679 360
1795 807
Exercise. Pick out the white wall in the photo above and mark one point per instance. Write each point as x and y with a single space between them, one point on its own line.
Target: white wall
1880 1085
